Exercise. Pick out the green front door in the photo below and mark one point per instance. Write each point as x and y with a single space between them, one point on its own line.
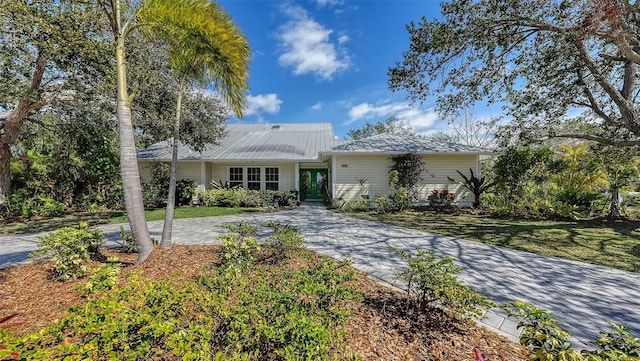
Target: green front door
313 182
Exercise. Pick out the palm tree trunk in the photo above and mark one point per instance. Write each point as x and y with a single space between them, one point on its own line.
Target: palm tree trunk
129 162
167 228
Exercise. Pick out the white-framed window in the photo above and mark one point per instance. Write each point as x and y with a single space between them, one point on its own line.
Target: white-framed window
236 176
271 178
253 178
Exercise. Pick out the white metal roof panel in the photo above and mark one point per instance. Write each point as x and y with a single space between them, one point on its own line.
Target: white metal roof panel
284 141
394 143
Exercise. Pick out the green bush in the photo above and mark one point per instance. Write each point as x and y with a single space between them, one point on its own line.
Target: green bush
239 249
70 249
430 280
128 241
21 203
401 199
270 313
283 314
548 342
285 239
382 204
185 189
356 205
238 197
103 278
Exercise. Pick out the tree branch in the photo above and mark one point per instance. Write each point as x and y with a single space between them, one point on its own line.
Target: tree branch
596 138
592 100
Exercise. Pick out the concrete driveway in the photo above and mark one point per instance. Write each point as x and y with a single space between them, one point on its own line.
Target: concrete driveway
584 297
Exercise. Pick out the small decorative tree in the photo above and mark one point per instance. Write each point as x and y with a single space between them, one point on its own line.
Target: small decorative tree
475 185
404 175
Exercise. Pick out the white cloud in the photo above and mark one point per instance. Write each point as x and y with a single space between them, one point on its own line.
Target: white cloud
343 39
368 111
307 47
419 120
263 103
317 106
323 3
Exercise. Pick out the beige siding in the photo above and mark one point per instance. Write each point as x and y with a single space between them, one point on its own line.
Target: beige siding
375 168
349 169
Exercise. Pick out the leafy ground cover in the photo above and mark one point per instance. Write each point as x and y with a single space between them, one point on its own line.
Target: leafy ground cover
373 323
599 241
21 226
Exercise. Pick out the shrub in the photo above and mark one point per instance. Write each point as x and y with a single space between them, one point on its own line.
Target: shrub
70 248
103 278
548 342
20 203
156 192
401 199
238 197
285 239
128 241
441 198
430 279
283 313
356 205
382 204
185 189
239 249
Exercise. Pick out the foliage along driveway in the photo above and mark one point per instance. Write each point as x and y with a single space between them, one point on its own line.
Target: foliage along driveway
583 296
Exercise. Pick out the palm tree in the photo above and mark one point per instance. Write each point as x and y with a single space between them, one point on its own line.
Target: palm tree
209 49
154 14
128 159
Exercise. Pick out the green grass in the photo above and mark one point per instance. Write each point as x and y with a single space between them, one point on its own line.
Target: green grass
188 212
44 225
603 242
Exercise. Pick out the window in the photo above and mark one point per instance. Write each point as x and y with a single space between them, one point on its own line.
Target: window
271 178
253 178
235 176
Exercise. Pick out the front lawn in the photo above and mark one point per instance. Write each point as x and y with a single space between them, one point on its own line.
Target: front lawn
43 225
603 242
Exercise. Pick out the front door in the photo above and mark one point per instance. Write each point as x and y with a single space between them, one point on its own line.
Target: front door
313 183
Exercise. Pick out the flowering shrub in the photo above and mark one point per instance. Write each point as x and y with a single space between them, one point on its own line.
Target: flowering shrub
441 198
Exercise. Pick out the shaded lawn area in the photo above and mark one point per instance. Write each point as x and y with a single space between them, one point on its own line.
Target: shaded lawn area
602 242
50 224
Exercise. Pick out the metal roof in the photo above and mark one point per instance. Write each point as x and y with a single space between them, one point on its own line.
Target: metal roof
282 141
394 143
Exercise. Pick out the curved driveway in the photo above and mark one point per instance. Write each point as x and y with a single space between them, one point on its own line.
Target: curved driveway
584 297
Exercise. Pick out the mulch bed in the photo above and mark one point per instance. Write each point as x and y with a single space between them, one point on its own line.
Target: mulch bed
381 328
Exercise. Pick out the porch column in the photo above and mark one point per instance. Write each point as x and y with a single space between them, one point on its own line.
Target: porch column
334 167
203 176
296 176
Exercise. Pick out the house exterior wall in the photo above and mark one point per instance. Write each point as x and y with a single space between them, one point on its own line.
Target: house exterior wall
375 168
286 172
216 171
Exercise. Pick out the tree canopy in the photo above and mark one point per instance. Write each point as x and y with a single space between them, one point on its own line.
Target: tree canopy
391 125
560 68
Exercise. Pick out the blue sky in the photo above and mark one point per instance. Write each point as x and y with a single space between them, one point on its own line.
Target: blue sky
327 60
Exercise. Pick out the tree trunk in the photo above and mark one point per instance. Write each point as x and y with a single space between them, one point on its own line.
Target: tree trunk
614 207
167 228
129 162
11 123
476 201
5 173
